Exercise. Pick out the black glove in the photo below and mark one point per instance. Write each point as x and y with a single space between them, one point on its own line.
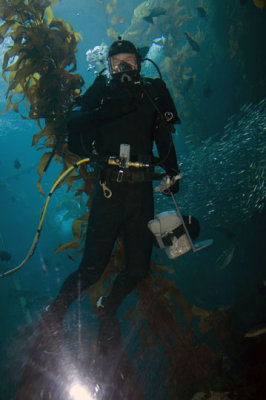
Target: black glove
175 187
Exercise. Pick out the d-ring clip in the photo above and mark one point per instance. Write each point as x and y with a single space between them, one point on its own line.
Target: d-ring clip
106 191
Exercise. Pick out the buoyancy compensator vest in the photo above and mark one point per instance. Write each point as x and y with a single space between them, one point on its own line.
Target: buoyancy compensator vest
104 104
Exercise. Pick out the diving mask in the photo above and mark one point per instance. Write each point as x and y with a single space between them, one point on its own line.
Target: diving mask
123 62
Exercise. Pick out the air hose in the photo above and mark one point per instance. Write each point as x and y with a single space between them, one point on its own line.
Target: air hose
36 238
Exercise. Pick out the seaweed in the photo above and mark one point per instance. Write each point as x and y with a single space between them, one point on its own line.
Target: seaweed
163 318
39 70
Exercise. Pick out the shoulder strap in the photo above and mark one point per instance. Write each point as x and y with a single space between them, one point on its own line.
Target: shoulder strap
159 96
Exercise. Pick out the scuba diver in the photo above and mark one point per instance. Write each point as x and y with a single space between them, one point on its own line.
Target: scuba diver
118 120
117 123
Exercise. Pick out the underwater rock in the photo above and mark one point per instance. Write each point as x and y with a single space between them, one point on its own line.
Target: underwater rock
117 19
207 90
156 53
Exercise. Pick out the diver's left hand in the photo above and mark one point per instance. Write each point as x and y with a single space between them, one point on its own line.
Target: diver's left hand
174 186
169 184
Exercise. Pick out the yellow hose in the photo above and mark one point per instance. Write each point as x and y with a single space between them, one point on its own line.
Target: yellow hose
36 238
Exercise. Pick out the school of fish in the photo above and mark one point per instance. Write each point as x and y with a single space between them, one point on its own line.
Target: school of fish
224 179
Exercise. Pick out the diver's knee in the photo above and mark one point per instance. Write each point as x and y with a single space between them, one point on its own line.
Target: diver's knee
91 272
139 275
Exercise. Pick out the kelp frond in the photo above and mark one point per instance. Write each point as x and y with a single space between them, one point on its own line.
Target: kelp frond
39 67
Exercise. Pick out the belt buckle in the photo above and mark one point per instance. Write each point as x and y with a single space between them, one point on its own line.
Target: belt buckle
119 177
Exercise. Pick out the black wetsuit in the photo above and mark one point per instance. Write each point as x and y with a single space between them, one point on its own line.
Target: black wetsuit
111 114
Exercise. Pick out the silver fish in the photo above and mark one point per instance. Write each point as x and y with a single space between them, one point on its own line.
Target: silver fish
225 258
224 178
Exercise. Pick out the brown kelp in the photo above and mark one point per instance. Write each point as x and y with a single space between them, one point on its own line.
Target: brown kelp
39 69
260 3
166 324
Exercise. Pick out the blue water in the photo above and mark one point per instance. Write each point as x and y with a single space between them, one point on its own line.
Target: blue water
239 287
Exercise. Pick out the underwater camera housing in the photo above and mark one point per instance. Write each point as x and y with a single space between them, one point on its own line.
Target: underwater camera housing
175 234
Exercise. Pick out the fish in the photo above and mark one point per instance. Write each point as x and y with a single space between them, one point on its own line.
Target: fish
5 255
160 41
225 258
90 67
256 331
3 185
219 158
17 164
207 90
201 11
154 12
110 7
148 19
117 19
188 85
195 46
112 33
45 263
226 231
